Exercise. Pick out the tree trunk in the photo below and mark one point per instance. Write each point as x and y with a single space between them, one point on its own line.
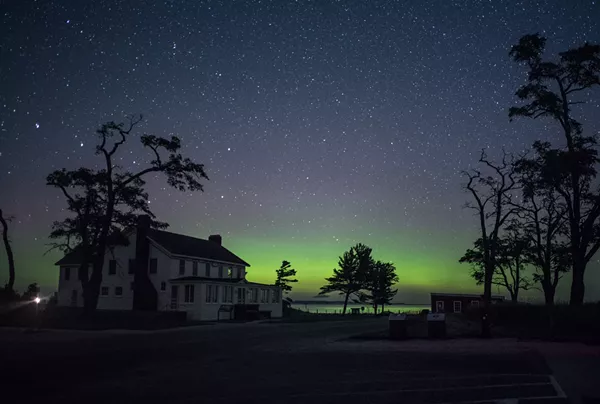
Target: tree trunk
345 302
375 308
9 254
487 300
577 285
548 294
92 291
382 308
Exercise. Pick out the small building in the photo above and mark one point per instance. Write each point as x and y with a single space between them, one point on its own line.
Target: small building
162 271
458 302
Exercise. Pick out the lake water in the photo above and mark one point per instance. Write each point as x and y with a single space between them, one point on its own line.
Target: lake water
337 308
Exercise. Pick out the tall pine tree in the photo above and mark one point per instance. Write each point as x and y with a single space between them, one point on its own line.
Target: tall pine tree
284 277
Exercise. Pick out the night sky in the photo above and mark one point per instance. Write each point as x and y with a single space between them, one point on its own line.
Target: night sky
321 123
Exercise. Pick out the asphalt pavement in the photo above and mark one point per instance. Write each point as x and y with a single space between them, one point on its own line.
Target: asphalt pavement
265 363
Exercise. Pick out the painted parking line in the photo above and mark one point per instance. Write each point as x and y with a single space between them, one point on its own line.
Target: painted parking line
468 389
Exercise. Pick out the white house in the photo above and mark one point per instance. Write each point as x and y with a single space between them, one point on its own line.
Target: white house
164 271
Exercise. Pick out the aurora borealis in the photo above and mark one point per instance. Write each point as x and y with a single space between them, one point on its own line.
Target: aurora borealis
321 123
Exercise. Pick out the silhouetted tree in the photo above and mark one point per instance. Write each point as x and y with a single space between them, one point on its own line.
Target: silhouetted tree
350 276
543 217
32 291
491 188
381 276
549 93
107 200
284 275
511 259
9 288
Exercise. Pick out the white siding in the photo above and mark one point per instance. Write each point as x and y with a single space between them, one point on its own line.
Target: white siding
66 287
122 279
163 274
201 310
167 268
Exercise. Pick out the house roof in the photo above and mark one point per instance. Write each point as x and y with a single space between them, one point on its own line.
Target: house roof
217 280
179 244
175 244
73 258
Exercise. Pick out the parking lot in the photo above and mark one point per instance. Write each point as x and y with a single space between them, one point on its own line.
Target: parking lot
274 363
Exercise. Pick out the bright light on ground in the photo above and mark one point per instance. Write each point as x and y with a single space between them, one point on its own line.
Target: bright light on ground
37 300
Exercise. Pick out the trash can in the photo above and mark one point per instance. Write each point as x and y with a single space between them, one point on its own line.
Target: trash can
397 326
436 325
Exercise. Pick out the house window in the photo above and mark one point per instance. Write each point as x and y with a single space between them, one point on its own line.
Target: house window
439 306
195 268
275 296
131 285
209 293
104 291
229 272
163 286
131 267
220 271
207 269
264 295
181 267
118 291
153 265
112 267
254 295
216 294
189 294
241 295
67 273
457 305
474 303
228 294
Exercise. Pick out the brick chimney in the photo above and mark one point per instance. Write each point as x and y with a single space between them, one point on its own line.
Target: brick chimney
216 238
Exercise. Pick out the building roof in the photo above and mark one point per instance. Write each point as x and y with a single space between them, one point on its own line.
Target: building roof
479 296
175 244
73 258
217 280
179 244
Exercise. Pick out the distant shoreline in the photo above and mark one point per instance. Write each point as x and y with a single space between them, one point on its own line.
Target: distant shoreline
341 302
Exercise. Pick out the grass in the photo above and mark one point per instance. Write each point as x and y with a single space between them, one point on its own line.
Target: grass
561 322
